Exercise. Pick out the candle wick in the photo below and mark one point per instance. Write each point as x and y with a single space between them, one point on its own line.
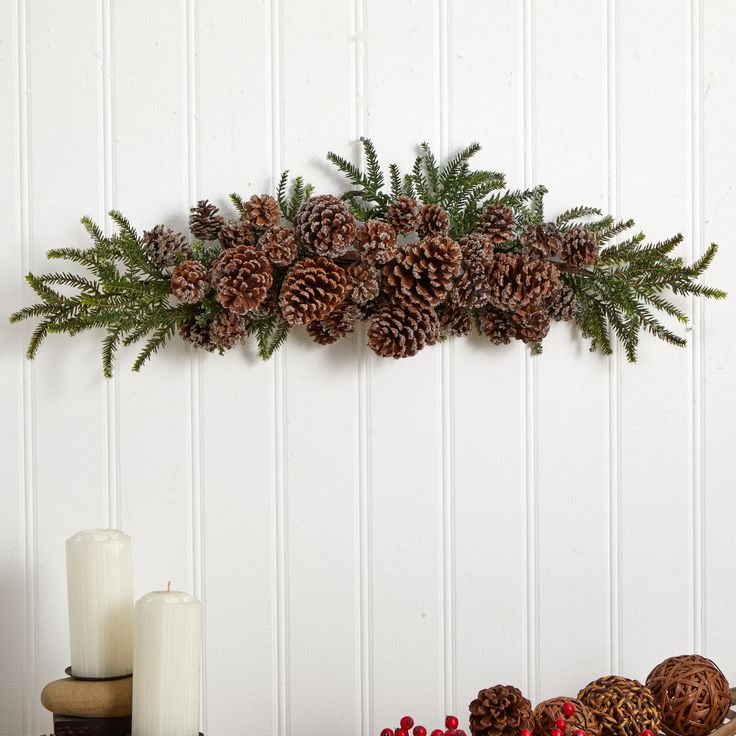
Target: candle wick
168 586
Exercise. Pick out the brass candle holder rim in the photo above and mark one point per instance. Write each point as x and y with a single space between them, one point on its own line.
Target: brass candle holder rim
68 672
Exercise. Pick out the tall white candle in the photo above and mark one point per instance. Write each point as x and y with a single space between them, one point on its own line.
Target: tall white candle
99 576
168 647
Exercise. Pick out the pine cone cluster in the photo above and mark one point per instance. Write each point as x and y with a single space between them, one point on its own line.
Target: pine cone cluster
518 281
324 226
241 278
500 711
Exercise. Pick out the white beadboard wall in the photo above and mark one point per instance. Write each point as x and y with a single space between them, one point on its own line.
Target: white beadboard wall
372 537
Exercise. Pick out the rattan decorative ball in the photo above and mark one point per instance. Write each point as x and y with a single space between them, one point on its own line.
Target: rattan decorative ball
621 706
547 712
692 693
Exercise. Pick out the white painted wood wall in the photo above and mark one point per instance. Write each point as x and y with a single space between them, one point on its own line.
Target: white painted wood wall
372 537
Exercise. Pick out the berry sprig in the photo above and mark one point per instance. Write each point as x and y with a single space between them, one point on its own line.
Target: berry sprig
406 724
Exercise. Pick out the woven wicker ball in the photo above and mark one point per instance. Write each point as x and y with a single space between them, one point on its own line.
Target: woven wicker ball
547 712
692 693
621 706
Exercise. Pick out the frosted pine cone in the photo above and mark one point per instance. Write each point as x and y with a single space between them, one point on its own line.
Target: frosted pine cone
497 325
472 286
531 326
235 233
580 247
324 226
498 223
500 711
195 334
376 242
363 282
228 329
402 330
189 282
279 244
162 246
563 305
204 222
338 323
544 240
242 277
454 320
267 308
313 287
261 212
432 220
518 281
403 215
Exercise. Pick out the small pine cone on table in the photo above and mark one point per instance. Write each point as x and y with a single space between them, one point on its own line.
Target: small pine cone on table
500 711
497 222
236 232
403 215
228 329
402 330
340 322
544 240
424 273
260 212
516 281
497 325
472 286
242 277
563 305
454 320
363 282
376 242
312 288
204 222
531 325
432 220
162 245
189 281
324 226
580 247
279 244
196 334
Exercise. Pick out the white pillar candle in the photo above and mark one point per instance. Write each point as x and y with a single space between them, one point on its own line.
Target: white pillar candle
99 576
168 647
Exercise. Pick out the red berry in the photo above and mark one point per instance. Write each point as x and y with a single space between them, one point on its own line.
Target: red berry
437 732
419 731
561 723
407 722
451 722
387 732
401 732
555 732
526 732
569 709
450 732
647 732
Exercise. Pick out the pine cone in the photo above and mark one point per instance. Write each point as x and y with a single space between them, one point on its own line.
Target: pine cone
279 244
497 325
235 233
518 281
267 308
195 334
189 282
432 220
423 274
261 212
454 320
204 222
472 287
500 711
313 287
563 305
228 329
402 330
403 215
530 325
162 245
580 247
363 282
324 226
545 239
338 323
376 242
498 223
242 277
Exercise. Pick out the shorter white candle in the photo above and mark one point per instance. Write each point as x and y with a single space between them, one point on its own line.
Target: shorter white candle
100 591
166 667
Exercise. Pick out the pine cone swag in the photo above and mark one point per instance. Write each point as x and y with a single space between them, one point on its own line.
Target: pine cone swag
544 240
473 287
432 220
500 711
236 232
189 282
196 334
324 226
402 330
518 281
279 244
228 329
338 323
261 212
563 305
497 325
454 320
204 222
580 247
403 215
424 273
242 277
376 242
162 245
363 282
498 222
313 287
